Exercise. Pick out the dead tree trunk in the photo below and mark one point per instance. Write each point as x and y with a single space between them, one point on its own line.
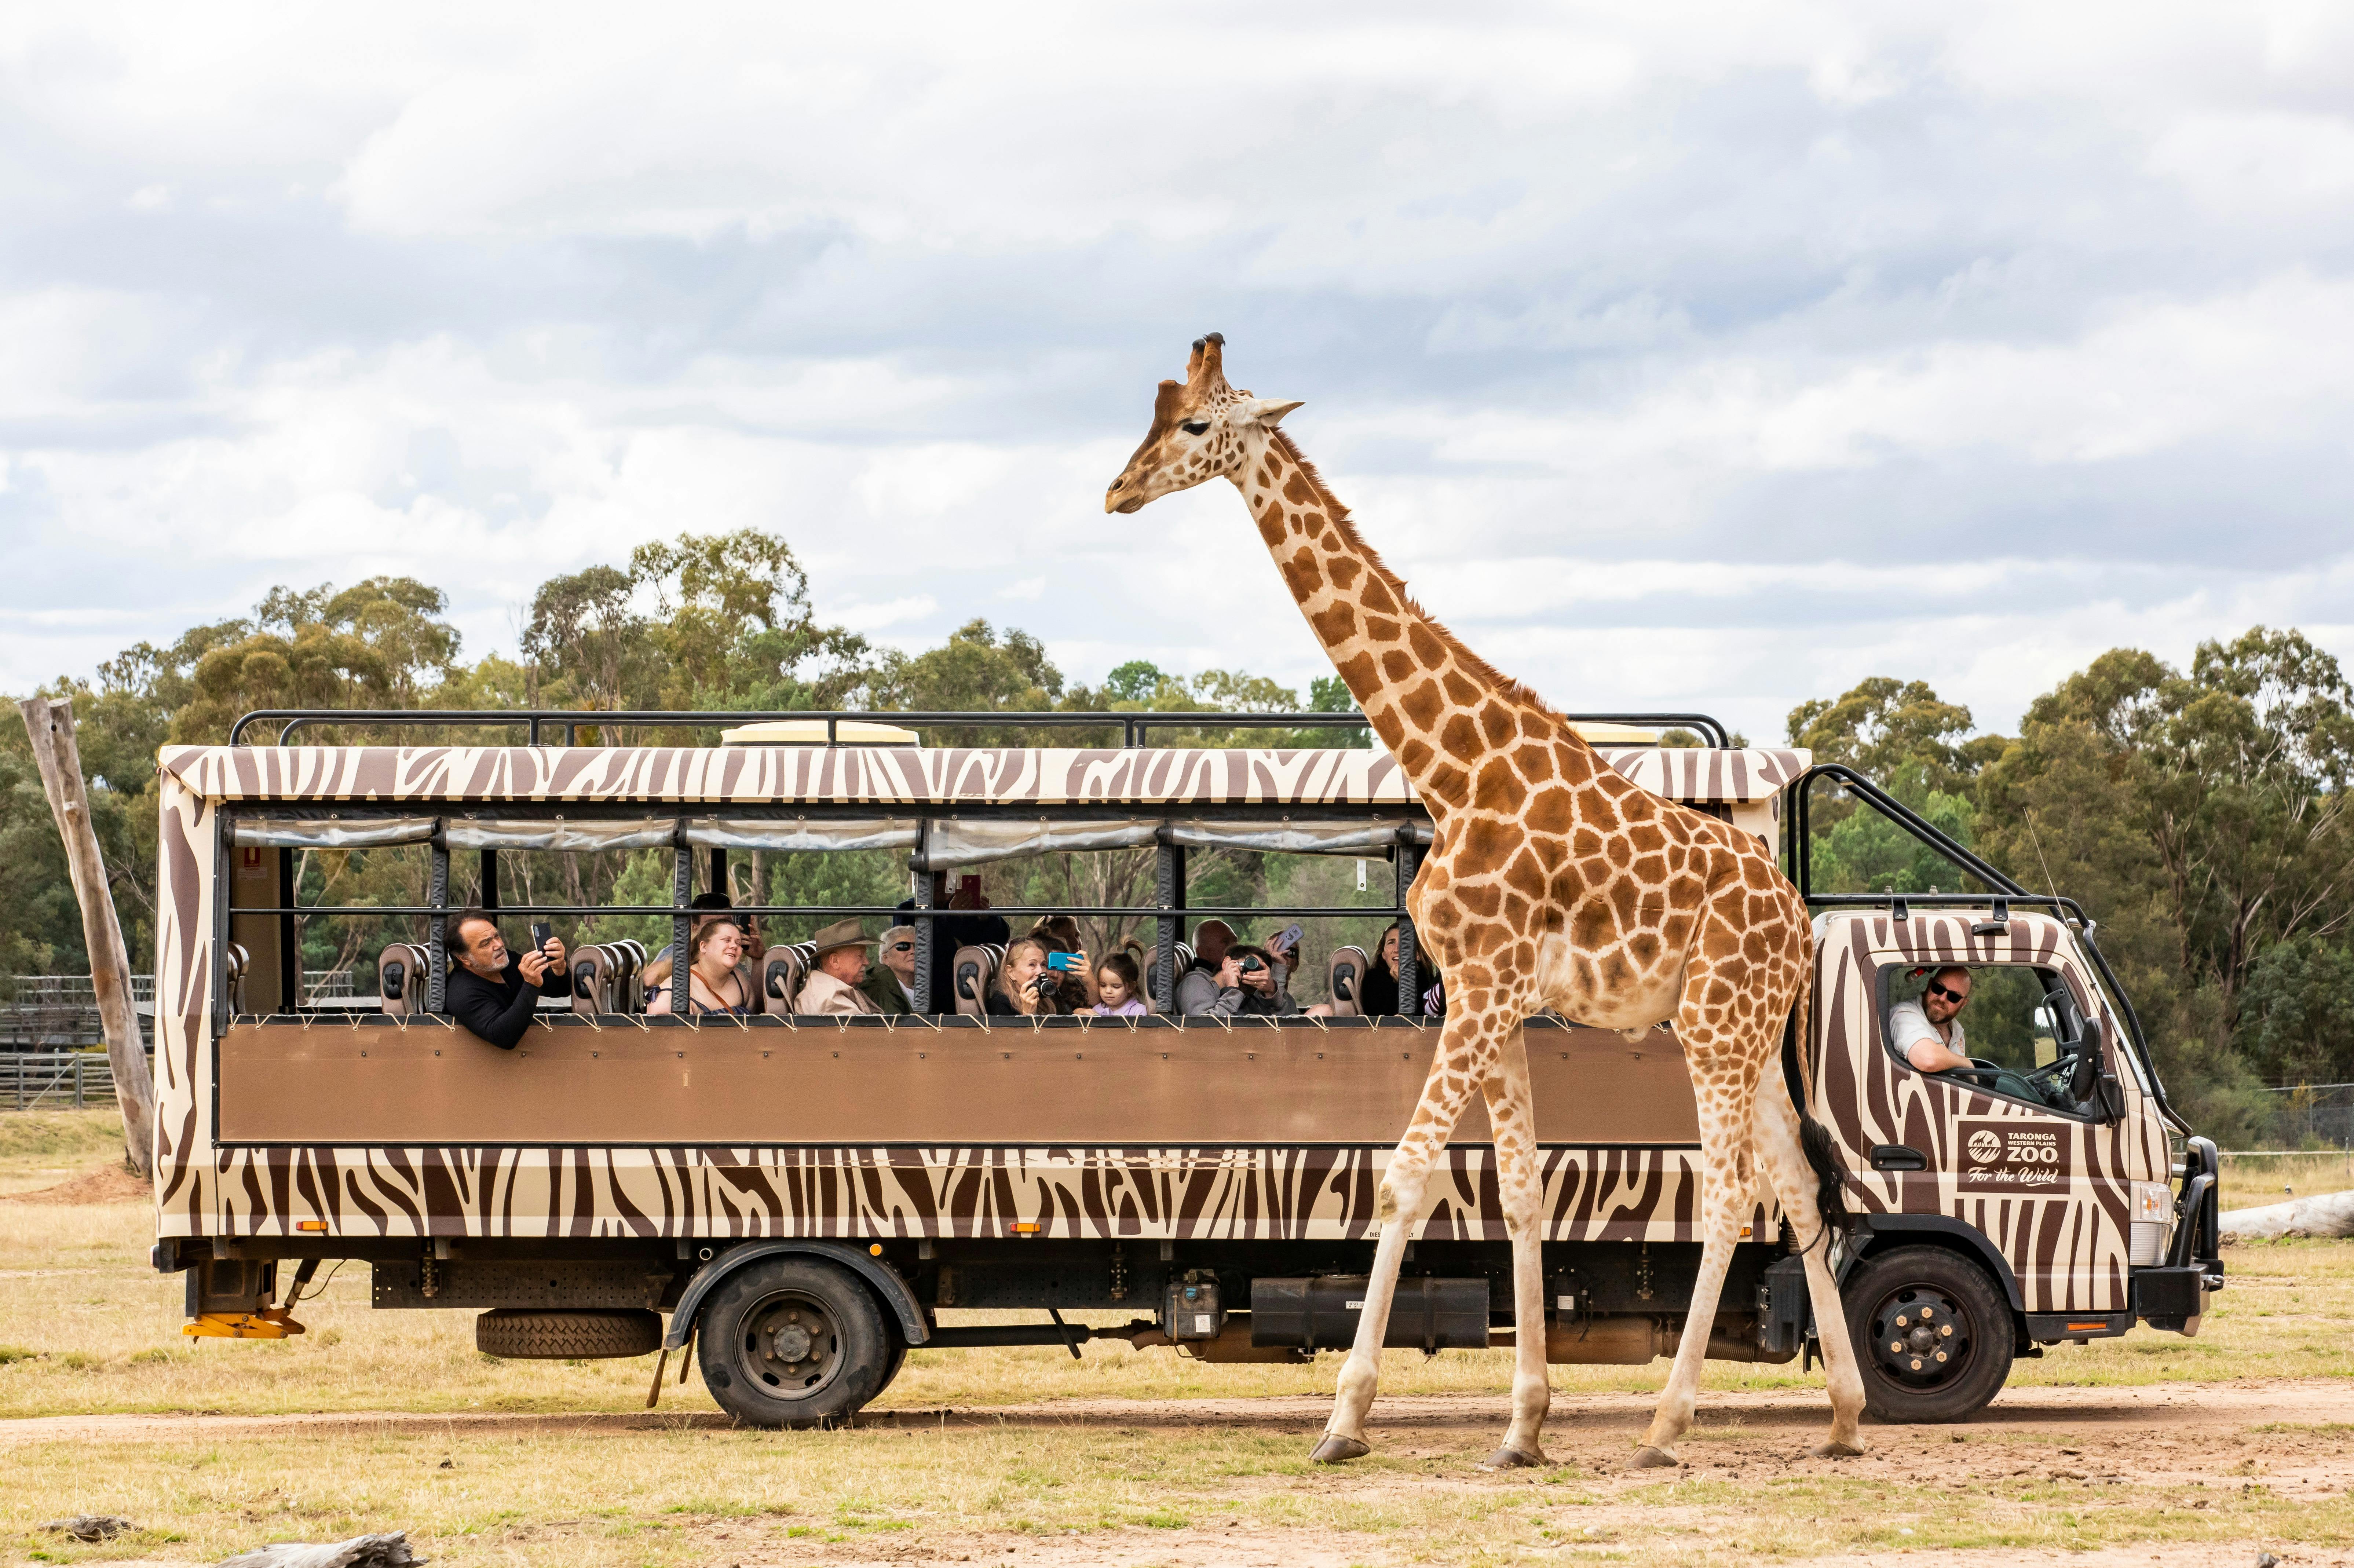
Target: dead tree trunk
51 726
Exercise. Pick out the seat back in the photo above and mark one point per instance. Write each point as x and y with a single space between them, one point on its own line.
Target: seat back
239 961
782 970
972 975
1343 973
593 974
629 988
401 980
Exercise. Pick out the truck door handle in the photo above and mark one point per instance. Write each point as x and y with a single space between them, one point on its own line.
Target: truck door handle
1898 1157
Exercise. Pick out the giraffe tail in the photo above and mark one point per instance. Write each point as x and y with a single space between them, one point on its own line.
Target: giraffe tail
1815 1139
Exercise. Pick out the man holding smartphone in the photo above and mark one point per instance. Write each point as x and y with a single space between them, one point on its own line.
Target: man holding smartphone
494 992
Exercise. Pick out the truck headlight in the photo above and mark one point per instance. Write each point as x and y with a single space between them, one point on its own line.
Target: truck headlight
2153 1216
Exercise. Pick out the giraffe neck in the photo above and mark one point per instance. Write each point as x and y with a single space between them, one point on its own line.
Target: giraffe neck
1437 707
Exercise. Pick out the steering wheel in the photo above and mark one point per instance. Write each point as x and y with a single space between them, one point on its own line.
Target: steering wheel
1980 1073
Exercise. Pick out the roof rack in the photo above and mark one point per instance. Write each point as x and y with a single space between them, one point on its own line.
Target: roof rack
1133 727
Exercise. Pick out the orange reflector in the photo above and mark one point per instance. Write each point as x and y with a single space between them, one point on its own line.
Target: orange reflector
1025 1227
309 1225
875 1250
2079 1328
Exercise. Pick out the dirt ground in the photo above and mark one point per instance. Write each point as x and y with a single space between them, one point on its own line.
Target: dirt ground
2187 1449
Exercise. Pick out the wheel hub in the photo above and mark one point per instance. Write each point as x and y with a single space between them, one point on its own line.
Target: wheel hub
1921 1337
791 1344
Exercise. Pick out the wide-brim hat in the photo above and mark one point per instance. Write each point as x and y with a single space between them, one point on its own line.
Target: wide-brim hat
841 934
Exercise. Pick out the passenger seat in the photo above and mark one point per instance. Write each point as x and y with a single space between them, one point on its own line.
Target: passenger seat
593 974
1344 973
782 970
972 975
400 979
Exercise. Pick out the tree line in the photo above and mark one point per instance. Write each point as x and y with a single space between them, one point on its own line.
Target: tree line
2197 813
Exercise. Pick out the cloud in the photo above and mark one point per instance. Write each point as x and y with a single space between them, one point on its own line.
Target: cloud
1680 355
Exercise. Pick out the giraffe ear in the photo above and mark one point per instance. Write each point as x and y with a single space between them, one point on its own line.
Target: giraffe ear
1266 411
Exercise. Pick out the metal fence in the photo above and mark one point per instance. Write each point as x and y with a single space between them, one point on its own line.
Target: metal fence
2313 1116
56 1080
60 1012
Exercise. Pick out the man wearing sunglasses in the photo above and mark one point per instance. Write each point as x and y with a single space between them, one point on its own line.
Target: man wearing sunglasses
1929 1032
891 984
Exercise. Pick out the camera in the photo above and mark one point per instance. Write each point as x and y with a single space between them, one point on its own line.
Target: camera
1251 966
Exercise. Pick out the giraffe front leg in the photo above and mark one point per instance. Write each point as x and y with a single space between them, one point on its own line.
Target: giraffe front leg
1519 1186
1466 1052
1725 1197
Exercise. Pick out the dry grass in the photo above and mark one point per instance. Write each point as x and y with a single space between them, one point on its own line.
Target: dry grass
86 1326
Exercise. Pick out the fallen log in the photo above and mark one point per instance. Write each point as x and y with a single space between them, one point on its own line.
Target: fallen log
2324 1215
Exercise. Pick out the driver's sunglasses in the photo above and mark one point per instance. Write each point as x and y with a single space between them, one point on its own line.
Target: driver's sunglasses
902 947
1955 997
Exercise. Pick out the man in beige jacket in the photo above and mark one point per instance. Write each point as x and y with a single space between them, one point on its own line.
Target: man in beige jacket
835 970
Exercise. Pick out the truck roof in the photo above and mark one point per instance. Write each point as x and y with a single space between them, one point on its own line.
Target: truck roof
898 775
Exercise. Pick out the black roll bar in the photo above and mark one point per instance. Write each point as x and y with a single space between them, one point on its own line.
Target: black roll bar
1800 843
1133 727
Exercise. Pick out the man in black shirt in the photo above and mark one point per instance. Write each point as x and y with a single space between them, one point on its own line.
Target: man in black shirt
492 991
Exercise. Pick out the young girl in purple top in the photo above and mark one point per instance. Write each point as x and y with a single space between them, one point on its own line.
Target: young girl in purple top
1121 986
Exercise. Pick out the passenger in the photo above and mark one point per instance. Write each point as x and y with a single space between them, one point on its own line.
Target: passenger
1377 993
1119 987
712 984
655 976
959 930
1247 986
1928 1031
1060 934
1026 986
891 984
492 991
1199 988
836 967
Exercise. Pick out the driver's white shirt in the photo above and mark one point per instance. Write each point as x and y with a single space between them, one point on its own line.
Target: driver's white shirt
1908 1026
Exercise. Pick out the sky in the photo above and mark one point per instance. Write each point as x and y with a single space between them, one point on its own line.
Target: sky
1682 358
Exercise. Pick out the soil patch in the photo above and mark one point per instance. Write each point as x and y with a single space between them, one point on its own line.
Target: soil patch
107 1184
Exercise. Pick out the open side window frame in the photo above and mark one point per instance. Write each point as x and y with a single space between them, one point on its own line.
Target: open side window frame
1798 841
2054 978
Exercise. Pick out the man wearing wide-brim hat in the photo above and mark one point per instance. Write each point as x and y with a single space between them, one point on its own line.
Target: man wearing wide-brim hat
835 970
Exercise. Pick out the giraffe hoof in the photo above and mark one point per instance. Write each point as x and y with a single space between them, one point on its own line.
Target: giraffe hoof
1513 1459
1838 1450
1650 1458
1336 1449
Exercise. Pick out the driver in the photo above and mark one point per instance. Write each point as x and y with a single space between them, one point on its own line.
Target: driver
1929 1032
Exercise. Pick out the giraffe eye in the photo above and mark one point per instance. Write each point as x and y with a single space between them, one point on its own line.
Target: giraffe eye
1195 427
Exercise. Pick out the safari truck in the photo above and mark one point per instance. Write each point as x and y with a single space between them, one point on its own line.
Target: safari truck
798 1201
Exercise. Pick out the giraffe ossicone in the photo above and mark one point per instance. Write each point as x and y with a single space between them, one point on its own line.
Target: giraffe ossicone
1552 882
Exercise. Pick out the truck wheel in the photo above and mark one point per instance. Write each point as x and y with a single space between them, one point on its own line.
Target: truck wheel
792 1342
1933 1332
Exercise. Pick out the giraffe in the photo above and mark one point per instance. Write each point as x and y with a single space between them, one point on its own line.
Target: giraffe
1552 881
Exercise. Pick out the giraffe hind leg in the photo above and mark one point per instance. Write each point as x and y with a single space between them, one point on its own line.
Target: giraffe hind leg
1797 1181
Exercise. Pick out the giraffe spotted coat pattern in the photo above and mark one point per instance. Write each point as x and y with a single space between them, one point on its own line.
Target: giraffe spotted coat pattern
1552 882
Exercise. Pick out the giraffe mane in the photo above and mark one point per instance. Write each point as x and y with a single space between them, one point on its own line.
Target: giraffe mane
1509 687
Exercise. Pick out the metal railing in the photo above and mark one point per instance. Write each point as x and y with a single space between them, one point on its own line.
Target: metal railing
1133 727
56 1080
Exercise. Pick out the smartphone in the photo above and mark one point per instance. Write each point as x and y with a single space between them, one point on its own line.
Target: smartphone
1289 937
1062 960
542 933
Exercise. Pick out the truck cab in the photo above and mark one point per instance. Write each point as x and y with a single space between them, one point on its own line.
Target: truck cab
2046 1192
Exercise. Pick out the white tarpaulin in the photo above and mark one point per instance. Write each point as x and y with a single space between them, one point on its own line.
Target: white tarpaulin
795 833
328 833
523 833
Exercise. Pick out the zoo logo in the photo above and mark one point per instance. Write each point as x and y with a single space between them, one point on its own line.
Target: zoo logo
1985 1145
2011 1158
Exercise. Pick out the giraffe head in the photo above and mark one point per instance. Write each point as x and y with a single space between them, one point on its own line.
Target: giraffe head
1201 428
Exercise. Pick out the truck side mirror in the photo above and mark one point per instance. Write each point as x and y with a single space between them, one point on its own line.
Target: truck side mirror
2087 1074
